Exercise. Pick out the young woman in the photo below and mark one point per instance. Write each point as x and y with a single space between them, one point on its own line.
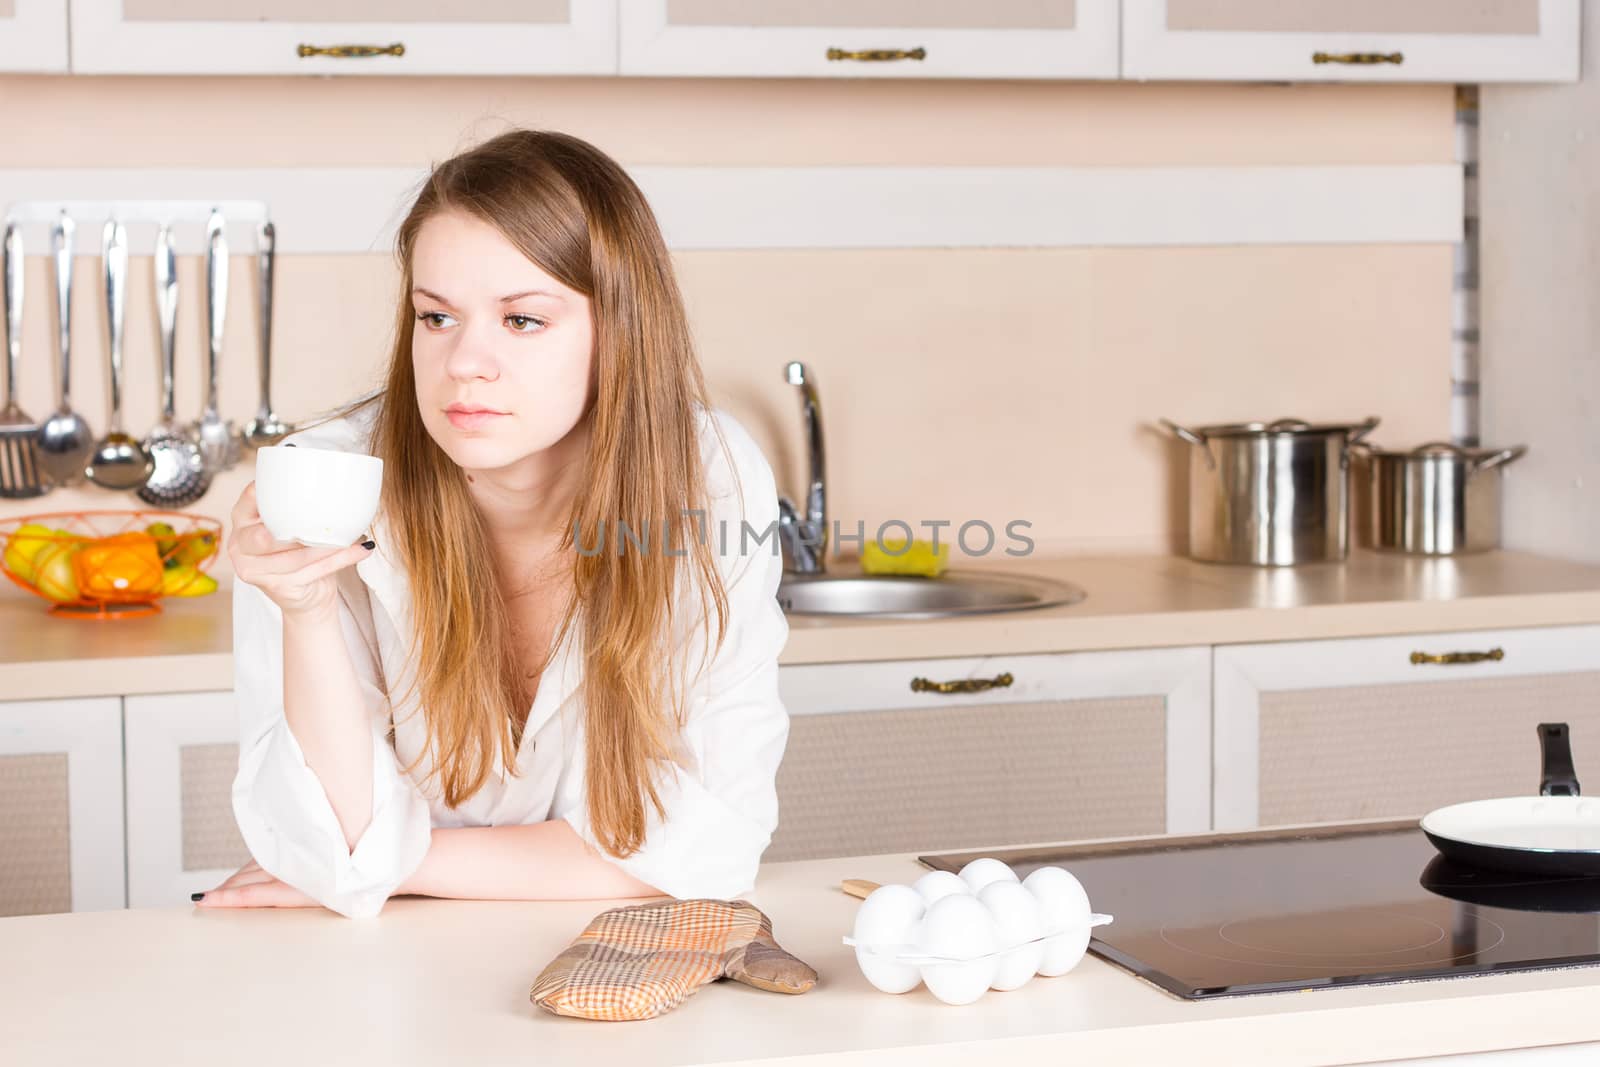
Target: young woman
502 693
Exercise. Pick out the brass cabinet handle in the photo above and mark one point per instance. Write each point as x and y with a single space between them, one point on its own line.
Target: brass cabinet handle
1359 59
351 51
960 685
878 55
1458 657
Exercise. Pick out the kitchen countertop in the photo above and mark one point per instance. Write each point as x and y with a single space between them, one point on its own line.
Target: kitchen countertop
1133 602
446 981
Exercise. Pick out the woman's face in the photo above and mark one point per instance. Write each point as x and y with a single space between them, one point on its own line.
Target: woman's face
503 353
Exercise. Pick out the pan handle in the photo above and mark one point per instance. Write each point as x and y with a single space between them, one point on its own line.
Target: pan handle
1193 437
1559 778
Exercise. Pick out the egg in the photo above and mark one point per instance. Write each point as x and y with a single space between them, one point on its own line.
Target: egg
935 885
960 928
1064 909
983 871
1017 922
1063 904
890 916
1062 952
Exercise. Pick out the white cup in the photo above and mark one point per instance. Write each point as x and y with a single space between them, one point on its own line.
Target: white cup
317 496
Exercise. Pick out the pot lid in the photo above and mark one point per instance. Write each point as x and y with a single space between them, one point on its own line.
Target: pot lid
1285 426
1478 458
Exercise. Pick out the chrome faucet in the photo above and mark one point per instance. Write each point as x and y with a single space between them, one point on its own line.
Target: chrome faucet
804 541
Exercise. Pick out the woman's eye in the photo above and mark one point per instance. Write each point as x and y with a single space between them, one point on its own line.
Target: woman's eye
524 323
429 317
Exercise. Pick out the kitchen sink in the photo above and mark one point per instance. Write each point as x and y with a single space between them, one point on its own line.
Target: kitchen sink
897 596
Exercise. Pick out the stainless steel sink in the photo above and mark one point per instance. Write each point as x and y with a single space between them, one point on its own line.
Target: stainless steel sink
895 596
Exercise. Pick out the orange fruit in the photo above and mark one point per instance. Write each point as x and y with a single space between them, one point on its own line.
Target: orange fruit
122 567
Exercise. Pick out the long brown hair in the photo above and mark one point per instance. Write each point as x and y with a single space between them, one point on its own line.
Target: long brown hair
575 212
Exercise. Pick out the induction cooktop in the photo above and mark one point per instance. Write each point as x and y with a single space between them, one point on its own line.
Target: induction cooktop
1278 910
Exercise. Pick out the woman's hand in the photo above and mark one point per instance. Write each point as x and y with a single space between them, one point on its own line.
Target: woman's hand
251 887
296 577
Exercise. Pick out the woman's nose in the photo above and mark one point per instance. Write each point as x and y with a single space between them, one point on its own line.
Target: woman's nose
471 359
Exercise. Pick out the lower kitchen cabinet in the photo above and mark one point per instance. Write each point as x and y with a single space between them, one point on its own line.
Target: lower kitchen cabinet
61 806
182 757
1074 745
1325 731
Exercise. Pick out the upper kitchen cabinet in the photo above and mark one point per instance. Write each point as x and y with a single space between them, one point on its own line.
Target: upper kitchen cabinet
870 38
1351 40
343 37
33 36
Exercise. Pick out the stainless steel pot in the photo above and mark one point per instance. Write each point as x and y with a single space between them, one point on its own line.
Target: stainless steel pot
1271 494
1436 500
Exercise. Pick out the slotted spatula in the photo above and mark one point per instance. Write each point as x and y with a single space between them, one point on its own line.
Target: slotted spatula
19 448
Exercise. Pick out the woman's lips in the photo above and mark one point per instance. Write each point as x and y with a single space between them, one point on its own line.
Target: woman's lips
463 419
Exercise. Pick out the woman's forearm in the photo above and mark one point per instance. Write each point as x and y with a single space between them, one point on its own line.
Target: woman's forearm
537 861
323 705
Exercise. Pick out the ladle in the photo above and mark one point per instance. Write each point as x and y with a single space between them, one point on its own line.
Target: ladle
119 460
218 440
66 440
266 428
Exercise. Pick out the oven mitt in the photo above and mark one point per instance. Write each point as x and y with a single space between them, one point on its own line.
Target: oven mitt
644 960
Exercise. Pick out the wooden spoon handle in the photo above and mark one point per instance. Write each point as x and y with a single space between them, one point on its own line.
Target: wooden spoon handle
858 887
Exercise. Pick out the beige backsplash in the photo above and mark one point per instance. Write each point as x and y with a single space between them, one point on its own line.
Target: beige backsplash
956 384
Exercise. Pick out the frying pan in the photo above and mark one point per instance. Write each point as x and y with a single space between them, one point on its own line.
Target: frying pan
1554 833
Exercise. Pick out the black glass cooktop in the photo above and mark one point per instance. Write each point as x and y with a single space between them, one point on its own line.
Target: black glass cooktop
1273 910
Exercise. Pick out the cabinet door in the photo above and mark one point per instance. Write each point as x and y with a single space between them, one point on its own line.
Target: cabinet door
1076 745
1329 731
61 806
1351 40
33 36
182 757
410 36
871 38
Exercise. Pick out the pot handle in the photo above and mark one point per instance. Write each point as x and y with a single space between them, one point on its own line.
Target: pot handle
1558 779
1360 430
1505 455
1183 433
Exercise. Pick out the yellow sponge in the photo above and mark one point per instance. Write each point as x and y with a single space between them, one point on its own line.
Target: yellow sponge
894 558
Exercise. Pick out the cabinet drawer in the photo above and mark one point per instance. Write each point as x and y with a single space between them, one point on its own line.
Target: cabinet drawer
1323 731
1073 746
804 38
1325 40
61 845
182 758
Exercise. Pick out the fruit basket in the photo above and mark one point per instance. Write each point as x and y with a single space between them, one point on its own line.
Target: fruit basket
110 564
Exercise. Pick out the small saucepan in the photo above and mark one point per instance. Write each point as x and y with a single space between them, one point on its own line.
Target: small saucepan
1436 500
1554 833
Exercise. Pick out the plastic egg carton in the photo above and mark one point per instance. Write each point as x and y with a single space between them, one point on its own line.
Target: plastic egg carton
962 935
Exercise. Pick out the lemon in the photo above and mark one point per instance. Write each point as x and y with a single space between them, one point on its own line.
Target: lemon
24 547
185 580
53 572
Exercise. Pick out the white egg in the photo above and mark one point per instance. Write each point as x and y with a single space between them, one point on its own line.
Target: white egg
886 975
1062 952
959 983
1063 904
958 927
985 870
936 885
1017 921
890 915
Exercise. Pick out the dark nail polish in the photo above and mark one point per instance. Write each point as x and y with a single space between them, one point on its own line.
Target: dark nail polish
289 444
369 545
196 896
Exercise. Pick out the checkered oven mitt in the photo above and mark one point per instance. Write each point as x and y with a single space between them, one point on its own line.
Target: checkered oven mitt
641 961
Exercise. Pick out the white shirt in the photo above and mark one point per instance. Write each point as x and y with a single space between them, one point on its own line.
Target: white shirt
720 811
